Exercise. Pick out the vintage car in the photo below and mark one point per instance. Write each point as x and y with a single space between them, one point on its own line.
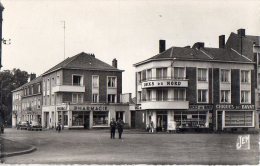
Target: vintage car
23 125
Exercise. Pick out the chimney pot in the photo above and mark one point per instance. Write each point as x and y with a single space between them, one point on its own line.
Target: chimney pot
114 63
222 41
241 32
161 46
32 76
198 45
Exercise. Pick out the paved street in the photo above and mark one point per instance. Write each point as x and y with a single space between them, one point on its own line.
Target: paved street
96 147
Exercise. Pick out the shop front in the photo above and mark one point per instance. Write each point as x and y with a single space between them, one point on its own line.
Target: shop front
235 118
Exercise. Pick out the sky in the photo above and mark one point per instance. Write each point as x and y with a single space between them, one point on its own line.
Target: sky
128 30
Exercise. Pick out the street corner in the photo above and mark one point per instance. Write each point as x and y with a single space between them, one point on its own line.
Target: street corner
10 148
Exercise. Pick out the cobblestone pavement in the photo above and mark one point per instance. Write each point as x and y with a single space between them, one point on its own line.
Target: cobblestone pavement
96 147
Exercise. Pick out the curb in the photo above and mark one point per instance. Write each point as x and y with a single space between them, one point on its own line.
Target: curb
32 149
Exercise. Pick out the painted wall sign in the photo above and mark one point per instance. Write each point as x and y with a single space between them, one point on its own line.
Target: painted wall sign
61 108
200 107
89 108
164 83
233 107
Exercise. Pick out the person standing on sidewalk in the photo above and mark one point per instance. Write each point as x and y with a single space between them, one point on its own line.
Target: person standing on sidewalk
120 127
112 128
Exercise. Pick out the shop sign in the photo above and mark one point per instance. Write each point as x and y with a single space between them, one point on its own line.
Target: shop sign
90 108
200 107
164 83
61 108
233 107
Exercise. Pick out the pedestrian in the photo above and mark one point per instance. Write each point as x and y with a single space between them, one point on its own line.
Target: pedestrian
2 128
151 127
120 127
59 127
112 128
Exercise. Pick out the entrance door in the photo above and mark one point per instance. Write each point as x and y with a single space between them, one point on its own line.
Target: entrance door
119 115
161 124
46 119
86 120
132 119
219 121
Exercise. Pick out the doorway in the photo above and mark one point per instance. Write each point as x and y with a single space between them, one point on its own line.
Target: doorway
219 120
119 115
46 122
133 119
162 121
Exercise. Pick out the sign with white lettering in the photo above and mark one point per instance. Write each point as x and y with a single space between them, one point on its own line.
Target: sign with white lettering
165 83
200 107
233 107
243 142
61 108
89 108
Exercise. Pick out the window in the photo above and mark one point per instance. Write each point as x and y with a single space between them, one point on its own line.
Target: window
238 118
161 95
149 74
48 84
58 80
77 80
225 75
244 96
244 76
139 77
32 89
39 103
77 98
111 82
161 73
224 96
179 94
202 74
202 96
139 96
144 75
95 81
95 98
179 73
39 88
148 95
100 118
111 98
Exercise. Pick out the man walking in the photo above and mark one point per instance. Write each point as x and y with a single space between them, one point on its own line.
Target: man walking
120 127
112 128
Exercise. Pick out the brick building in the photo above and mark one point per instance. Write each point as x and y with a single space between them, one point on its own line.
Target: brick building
196 88
27 101
83 91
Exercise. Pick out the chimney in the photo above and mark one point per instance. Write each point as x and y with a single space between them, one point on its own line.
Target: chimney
114 63
241 32
198 45
32 76
161 46
222 41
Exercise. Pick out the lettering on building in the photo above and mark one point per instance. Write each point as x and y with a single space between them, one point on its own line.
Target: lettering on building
164 83
90 108
237 107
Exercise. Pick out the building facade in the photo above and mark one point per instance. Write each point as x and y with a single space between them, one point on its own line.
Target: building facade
83 92
27 102
196 88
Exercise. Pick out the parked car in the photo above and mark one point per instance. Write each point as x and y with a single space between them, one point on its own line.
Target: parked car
23 125
35 126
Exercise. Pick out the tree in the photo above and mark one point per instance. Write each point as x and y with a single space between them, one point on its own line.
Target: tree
9 81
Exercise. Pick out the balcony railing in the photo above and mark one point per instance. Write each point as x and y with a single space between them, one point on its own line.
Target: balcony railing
72 87
164 99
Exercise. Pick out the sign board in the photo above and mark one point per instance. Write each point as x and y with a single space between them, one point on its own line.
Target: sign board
233 107
201 107
171 125
89 108
243 142
165 83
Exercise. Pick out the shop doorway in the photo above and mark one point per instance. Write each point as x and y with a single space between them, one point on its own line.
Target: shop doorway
162 121
46 122
132 119
119 115
86 121
219 120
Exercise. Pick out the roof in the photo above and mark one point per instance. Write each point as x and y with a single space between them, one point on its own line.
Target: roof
83 61
34 81
202 54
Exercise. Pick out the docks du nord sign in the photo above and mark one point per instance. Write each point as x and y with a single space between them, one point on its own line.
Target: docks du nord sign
164 83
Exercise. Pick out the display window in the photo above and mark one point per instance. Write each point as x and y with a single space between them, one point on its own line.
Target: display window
80 118
100 118
192 119
238 118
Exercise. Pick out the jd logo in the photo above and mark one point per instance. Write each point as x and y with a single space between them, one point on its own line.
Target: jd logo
243 142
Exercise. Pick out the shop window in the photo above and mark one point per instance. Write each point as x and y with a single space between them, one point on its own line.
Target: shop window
100 118
95 81
225 75
202 96
95 98
79 118
245 76
111 98
225 96
161 73
245 96
179 73
238 118
202 74
111 82
77 80
77 98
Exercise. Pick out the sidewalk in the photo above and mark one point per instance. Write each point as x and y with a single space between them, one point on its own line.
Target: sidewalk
11 148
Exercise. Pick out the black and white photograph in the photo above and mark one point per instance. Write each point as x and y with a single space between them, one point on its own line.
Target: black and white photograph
129 82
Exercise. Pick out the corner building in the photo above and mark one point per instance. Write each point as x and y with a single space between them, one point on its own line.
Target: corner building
196 88
83 92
